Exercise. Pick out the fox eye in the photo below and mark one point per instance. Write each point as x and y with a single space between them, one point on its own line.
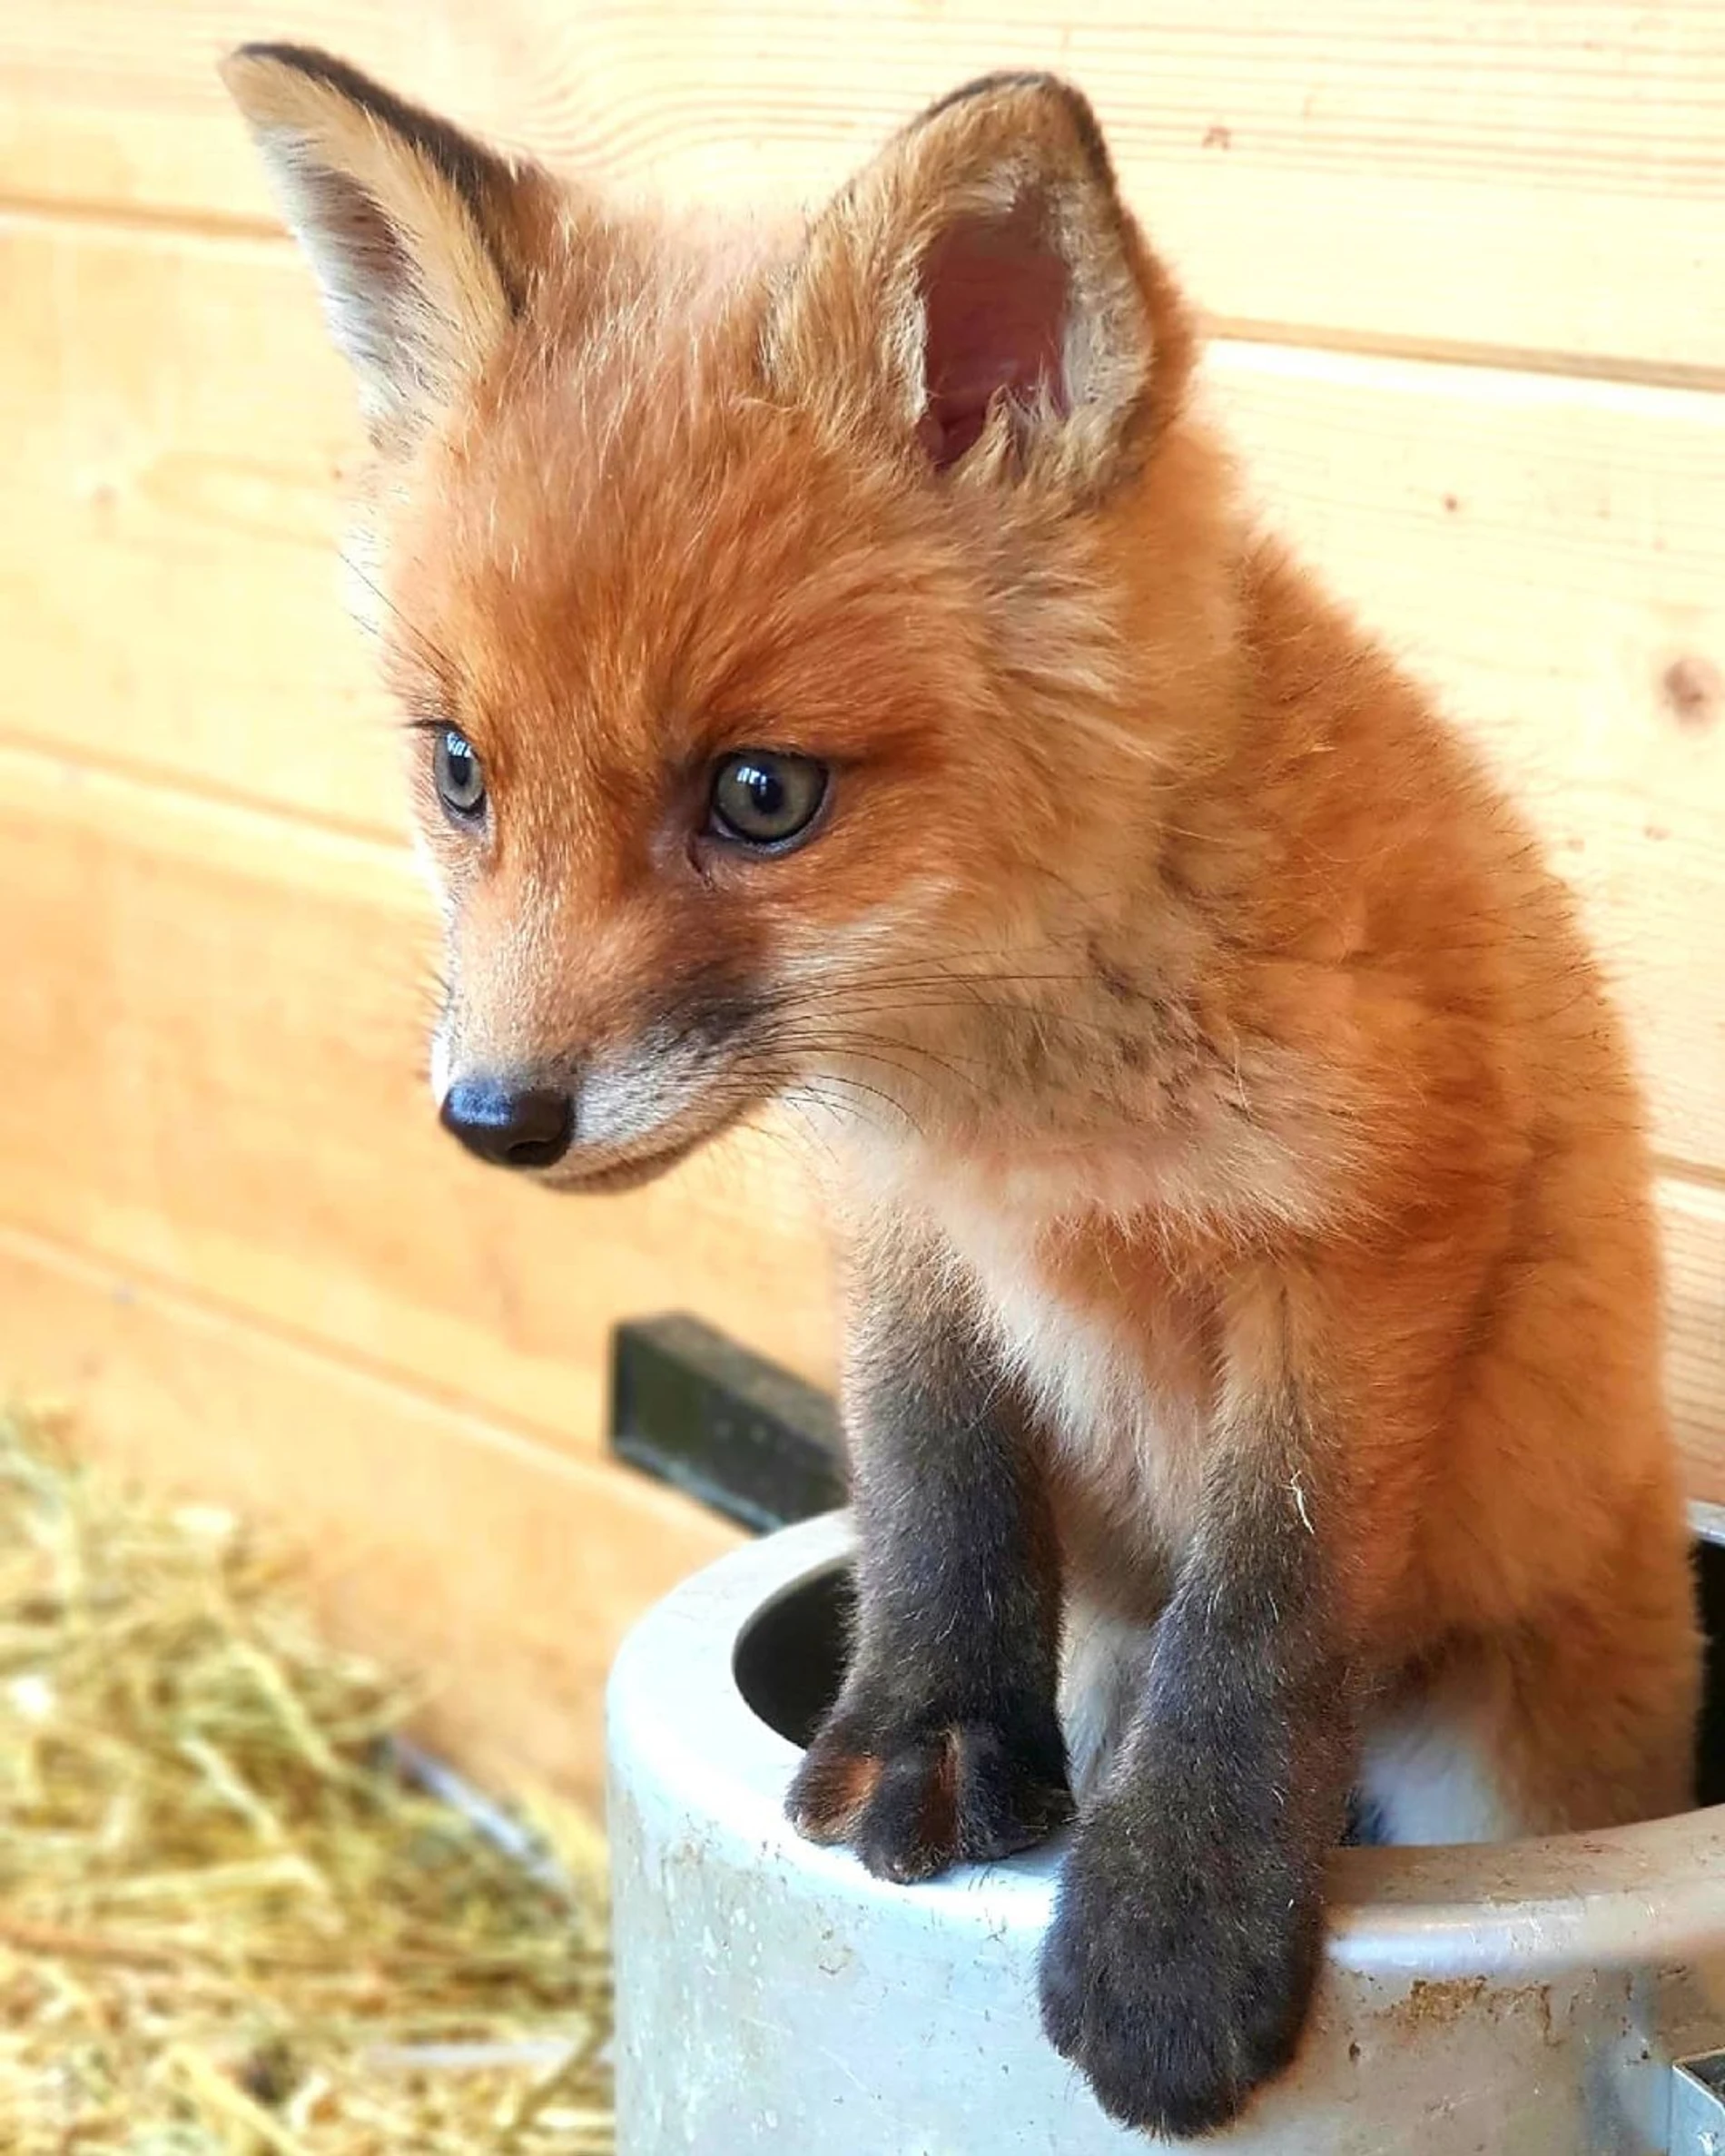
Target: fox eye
460 783
763 799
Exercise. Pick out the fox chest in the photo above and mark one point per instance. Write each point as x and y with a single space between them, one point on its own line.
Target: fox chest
1113 1359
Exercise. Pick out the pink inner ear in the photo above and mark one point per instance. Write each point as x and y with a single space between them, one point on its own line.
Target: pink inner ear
995 295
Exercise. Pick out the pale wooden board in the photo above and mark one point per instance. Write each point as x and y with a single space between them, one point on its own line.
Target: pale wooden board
500 1573
1545 550
212 1062
1451 172
1694 1220
210 1085
172 521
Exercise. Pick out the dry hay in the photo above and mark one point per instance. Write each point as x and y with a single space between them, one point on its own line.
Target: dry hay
234 1915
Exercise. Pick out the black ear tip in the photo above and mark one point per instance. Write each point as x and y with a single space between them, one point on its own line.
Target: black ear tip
999 83
1010 82
1004 82
260 48
463 162
311 62
303 59
256 64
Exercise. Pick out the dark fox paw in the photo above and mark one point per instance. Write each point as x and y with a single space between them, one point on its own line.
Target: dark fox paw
938 1793
1177 1989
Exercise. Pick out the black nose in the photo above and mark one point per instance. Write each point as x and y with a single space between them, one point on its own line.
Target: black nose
512 1125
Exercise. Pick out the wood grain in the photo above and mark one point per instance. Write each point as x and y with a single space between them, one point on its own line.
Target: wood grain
172 522
500 1572
1550 553
1539 179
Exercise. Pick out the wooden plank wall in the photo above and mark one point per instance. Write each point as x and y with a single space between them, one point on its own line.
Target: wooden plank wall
1465 265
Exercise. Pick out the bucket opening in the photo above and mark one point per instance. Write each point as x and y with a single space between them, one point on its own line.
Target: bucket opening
790 1660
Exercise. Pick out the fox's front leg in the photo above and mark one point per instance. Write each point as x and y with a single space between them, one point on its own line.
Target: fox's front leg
1189 1919
944 1743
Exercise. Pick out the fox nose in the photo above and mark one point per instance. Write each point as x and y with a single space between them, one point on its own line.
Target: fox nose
509 1125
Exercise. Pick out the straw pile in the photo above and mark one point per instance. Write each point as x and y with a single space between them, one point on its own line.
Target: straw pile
233 1916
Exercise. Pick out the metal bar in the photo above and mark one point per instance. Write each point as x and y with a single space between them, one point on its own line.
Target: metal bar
747 1438
1698 2105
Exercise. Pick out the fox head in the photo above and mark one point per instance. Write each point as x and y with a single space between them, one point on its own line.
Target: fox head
797 636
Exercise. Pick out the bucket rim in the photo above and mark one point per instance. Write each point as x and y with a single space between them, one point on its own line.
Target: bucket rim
676 1720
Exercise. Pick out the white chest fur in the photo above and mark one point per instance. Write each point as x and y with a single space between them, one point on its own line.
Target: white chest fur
1117 1384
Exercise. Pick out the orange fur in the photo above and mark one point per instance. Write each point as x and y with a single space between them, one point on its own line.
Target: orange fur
1164 955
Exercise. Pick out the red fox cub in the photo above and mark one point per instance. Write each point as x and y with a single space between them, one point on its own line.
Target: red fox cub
843 672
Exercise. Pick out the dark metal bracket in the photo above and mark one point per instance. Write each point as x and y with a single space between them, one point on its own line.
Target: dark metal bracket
746 1438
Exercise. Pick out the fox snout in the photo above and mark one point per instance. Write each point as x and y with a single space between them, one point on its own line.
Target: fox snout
621 1108
510 1122
571 1130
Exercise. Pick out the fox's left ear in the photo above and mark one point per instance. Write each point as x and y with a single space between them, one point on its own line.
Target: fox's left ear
981 291
423 240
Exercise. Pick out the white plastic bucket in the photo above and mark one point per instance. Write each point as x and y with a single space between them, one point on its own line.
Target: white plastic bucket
1527 2000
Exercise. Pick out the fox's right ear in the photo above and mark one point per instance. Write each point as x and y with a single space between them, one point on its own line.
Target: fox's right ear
423 240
